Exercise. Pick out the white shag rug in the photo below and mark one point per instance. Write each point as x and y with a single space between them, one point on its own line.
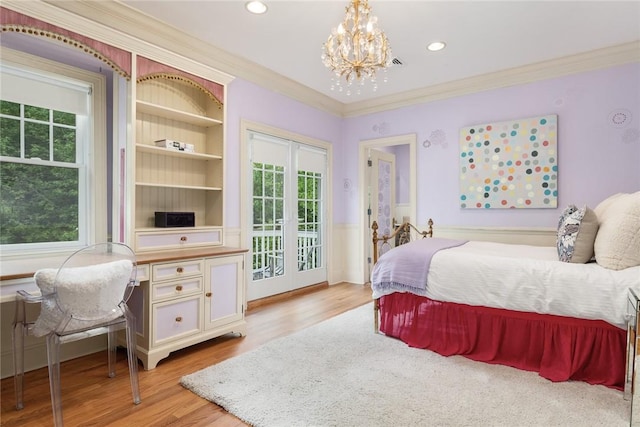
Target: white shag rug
339 373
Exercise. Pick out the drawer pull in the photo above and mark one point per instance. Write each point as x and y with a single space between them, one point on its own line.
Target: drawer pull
208 295
183 238
179 319
179 288
179 269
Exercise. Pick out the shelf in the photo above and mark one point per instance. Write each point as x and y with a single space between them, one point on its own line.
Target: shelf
170 113
184 187
175 153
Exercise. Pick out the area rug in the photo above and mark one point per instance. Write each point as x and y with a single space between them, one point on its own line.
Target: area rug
339 373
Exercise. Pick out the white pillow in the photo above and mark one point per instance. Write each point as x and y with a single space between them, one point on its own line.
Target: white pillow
617 244
91 294
603 207
577 230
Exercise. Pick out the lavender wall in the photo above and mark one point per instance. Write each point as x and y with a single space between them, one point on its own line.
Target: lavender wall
257 104
402 173
596 158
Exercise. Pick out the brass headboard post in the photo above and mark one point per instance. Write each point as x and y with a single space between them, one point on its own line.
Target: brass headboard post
374 227
405 229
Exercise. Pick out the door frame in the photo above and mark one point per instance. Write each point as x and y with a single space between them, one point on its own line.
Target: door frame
247 126
364 231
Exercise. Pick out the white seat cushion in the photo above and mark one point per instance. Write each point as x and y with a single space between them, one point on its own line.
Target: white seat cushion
90 294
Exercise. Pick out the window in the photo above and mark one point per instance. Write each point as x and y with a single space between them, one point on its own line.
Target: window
40 175
50 185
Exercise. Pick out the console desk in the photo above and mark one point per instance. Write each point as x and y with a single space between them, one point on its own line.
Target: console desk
184 297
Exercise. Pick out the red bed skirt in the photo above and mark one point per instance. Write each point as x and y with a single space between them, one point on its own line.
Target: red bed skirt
558 348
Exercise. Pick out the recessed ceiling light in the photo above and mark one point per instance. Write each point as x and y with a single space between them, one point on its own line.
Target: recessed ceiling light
436 46
256 7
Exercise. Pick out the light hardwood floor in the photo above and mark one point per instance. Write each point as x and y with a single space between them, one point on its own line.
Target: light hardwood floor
90 398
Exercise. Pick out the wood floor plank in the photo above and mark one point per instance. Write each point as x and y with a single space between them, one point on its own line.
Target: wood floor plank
90 398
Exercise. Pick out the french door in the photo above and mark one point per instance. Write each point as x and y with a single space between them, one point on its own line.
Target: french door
288 193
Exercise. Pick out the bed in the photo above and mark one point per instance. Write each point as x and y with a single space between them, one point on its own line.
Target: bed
560 311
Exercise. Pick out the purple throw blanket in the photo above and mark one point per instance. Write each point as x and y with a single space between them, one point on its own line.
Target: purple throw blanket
405 268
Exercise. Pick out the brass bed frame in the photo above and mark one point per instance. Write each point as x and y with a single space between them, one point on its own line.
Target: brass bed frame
402 234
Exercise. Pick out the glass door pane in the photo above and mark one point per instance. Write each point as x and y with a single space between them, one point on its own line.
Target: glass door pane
268 221
309 240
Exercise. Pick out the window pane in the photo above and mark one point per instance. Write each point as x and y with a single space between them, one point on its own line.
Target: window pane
62 118
268 212
36 141
257 179
258 213
9 137
268 183
279 184
301 188
36 113
10 108
64 144
38 204
279 210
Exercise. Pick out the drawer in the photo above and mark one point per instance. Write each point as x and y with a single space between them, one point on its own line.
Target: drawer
142 272
165 290
178 238
173 320
177 270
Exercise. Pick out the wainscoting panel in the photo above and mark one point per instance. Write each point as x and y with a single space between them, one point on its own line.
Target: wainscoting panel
519 236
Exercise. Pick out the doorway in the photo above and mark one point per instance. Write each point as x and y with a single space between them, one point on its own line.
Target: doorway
286 219
405 143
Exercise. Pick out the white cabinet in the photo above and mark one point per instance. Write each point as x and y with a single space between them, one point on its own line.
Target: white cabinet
223 301
189 300
192 287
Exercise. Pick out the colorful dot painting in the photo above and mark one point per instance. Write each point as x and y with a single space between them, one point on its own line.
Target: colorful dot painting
510 164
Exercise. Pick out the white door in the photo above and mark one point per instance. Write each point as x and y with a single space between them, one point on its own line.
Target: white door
288 189
381 167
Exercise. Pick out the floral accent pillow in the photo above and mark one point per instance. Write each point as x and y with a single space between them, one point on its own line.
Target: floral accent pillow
577 229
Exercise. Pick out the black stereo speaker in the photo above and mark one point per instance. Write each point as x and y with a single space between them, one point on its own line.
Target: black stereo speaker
175 219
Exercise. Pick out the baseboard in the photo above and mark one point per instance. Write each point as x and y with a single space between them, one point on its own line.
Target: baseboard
252 305
35 355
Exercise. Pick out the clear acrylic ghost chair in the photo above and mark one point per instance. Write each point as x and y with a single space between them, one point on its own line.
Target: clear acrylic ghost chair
85 297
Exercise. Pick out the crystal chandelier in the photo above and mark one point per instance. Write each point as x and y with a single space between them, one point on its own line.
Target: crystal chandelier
357 48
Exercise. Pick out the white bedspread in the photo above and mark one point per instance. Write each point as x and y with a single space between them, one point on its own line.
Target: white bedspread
531 279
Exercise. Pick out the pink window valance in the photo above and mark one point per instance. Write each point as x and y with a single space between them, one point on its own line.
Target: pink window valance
118 59
148 69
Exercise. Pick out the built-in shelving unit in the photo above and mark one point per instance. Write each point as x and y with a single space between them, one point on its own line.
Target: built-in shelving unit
192 288
172 180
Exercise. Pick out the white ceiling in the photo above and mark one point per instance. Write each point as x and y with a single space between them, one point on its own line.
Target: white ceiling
481 36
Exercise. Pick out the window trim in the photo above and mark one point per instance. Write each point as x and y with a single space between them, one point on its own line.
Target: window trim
96 220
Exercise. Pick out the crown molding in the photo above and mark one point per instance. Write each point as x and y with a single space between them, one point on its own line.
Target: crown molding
596 59
129 29
132 30
117 27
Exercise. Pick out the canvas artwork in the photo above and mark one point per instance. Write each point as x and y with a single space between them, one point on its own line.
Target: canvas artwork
511 164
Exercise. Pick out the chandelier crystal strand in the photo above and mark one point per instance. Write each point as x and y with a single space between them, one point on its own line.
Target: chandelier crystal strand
357 48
